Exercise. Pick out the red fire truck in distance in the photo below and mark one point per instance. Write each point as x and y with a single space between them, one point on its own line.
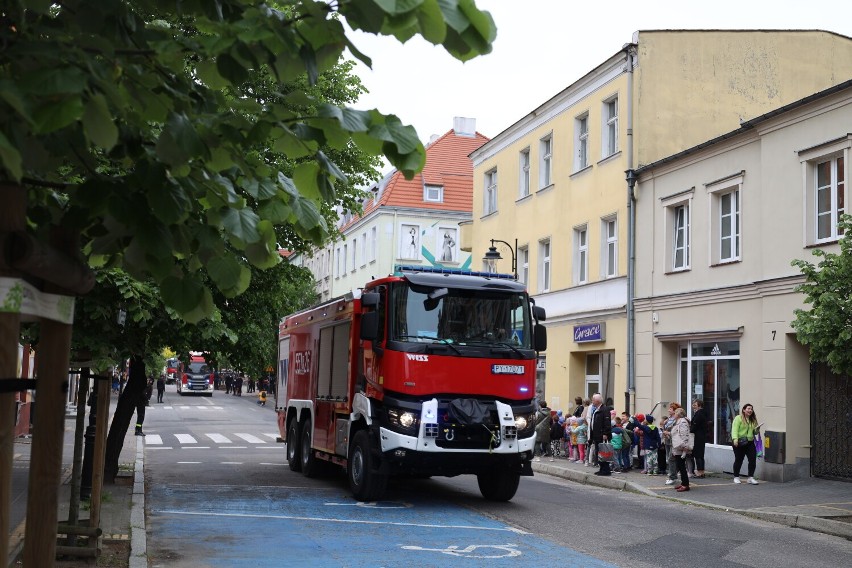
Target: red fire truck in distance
196 377
423 373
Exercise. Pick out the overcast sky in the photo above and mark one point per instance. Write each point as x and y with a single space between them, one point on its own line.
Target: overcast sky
543 46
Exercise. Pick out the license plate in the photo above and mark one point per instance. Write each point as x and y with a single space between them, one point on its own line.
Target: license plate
507 369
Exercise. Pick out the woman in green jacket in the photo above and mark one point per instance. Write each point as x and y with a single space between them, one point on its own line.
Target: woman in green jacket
743 431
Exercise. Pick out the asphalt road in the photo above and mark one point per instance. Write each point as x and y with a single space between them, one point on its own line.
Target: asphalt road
219 494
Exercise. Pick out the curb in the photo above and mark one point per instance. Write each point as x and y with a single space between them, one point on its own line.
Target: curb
138 531
814 524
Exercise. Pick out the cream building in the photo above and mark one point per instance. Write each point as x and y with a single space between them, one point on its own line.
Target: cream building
715 290
555 180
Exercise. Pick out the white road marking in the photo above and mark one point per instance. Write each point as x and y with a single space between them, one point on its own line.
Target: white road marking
264 463
218 438
161 448
237 447
333 520
273 436
184 407
203 407
167 407
189 462
233 463
186 439
152 439
249 438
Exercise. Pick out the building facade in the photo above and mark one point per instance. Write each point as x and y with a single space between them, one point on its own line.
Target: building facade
555 180
715 288
405 222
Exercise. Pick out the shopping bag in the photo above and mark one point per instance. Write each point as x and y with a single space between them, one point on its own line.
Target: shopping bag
605 452
758 444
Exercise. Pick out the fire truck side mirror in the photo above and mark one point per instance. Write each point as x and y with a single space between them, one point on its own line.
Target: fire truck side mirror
370 299
540 335
539 314
370 326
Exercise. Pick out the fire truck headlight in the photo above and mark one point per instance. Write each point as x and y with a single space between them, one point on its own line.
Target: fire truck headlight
521 422
525 424
403 420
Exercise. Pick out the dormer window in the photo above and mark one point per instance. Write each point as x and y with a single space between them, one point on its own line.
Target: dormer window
433 193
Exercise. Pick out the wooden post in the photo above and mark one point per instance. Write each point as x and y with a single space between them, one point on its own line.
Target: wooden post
99 458
12 218
54 355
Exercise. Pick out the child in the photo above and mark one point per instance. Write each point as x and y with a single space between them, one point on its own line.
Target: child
261 398
618 445
651 442
578 431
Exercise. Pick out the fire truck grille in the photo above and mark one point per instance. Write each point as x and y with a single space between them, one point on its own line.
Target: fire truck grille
473 437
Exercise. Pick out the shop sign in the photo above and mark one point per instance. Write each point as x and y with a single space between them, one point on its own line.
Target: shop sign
590 332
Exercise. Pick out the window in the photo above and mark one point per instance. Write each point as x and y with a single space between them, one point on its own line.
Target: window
447 240
546 149
524 168
581 142
373 243
593 374
829 198
609 247
824 169
581 255
609 130
726 220
363 249
680 237
433 193
713 375
337 263
345 259
490 202
524 263
354 254
544 266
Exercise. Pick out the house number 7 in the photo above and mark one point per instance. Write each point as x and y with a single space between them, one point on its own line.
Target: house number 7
773 335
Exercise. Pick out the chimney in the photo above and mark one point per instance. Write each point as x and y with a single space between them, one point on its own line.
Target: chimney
464 126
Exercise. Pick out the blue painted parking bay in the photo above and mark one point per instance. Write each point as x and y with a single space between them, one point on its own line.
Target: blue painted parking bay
265 526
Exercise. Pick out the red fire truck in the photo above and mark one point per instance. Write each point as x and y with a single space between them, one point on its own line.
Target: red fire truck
423 373
196 377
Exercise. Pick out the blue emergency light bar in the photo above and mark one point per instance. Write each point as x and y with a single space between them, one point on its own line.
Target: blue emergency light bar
399 269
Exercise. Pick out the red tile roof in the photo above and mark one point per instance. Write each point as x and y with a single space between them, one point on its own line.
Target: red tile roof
447 165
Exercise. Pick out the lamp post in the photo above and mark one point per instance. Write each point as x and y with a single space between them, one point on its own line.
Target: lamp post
493 255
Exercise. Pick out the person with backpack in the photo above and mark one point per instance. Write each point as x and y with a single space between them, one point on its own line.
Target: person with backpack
651 443
618 446
556 434
542 430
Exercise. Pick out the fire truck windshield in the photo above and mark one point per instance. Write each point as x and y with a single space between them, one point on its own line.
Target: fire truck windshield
460 316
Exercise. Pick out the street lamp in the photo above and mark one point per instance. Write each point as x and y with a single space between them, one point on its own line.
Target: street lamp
493 255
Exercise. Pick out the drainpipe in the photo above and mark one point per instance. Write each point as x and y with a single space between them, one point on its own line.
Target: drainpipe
630 51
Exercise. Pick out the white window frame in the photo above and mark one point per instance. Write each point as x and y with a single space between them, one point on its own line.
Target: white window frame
609 247
354 254
609 127
672 205
524 264
338 265
404 242
581 254
524 173
345 258
545 250
811 158
489 201
364 248
718 191
581 142
373 243
545 170
433 193
439 245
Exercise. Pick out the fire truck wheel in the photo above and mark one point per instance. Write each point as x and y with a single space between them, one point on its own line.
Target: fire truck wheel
310 467
294 458
366 484
500 485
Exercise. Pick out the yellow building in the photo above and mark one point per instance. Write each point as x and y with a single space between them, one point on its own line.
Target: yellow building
554 182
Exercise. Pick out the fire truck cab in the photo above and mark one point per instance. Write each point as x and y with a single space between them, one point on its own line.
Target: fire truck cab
423 373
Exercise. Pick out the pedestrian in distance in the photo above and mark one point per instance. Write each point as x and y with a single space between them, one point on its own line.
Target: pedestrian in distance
229 383
238 388
650 443
743 431
680 446
542 430
699 428
600 430
261 398
161 388
149 390
667 426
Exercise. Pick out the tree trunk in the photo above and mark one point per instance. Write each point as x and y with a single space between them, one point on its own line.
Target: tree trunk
133 391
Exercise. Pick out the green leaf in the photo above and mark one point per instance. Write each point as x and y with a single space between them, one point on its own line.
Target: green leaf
431 22
183 294
154 238
98 124
305 178
11 158
275 211
264 253
229 275
396 7
10 93
241 223
208 73
179 141
231 69
55 115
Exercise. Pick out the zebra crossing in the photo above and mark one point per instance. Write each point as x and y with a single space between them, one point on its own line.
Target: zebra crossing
218 440
204 407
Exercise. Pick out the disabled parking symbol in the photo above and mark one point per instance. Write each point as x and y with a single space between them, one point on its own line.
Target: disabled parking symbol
473 550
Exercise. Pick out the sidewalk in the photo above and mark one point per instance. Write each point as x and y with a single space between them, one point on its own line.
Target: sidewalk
123 542
813 504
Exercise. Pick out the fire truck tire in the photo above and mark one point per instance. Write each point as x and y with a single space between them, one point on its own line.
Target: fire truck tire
499 485
294 457
364 481
309 462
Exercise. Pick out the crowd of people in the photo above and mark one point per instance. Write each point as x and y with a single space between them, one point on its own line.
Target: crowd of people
674 447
